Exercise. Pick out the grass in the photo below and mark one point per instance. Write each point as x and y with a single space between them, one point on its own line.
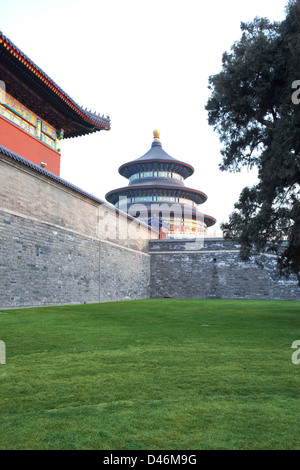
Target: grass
152 374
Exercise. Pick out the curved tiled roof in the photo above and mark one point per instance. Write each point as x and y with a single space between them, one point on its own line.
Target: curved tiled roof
167 190
28 72
156 153
156 158
209 220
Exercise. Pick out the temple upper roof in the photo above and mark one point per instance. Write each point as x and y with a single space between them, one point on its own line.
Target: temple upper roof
156 159
156 151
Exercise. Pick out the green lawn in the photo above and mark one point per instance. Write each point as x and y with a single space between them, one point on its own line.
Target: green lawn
151 374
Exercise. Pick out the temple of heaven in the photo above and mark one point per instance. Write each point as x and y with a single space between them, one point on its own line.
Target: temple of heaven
156 194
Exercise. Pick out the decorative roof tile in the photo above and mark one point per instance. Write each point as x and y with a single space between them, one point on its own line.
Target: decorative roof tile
18 63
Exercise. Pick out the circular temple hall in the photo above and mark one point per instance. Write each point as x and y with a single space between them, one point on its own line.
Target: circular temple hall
156 194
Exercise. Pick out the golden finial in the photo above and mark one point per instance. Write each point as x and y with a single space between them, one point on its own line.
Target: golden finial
156 135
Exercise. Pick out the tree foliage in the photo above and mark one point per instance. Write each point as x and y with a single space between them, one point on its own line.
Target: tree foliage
258 123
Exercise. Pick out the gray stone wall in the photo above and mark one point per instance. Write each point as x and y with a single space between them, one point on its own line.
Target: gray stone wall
39 196
124 273
61 246
45 265
212 268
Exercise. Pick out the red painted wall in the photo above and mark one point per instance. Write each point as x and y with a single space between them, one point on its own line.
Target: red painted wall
22 143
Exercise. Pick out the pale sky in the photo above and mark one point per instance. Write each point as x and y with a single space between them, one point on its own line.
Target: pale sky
146 64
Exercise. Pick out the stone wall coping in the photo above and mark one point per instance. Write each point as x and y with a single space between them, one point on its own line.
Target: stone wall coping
4 152
188 240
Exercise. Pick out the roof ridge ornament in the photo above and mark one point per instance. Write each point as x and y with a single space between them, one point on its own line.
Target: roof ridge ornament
156 142
156 135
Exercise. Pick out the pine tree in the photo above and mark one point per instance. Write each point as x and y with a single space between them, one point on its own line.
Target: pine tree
255 108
